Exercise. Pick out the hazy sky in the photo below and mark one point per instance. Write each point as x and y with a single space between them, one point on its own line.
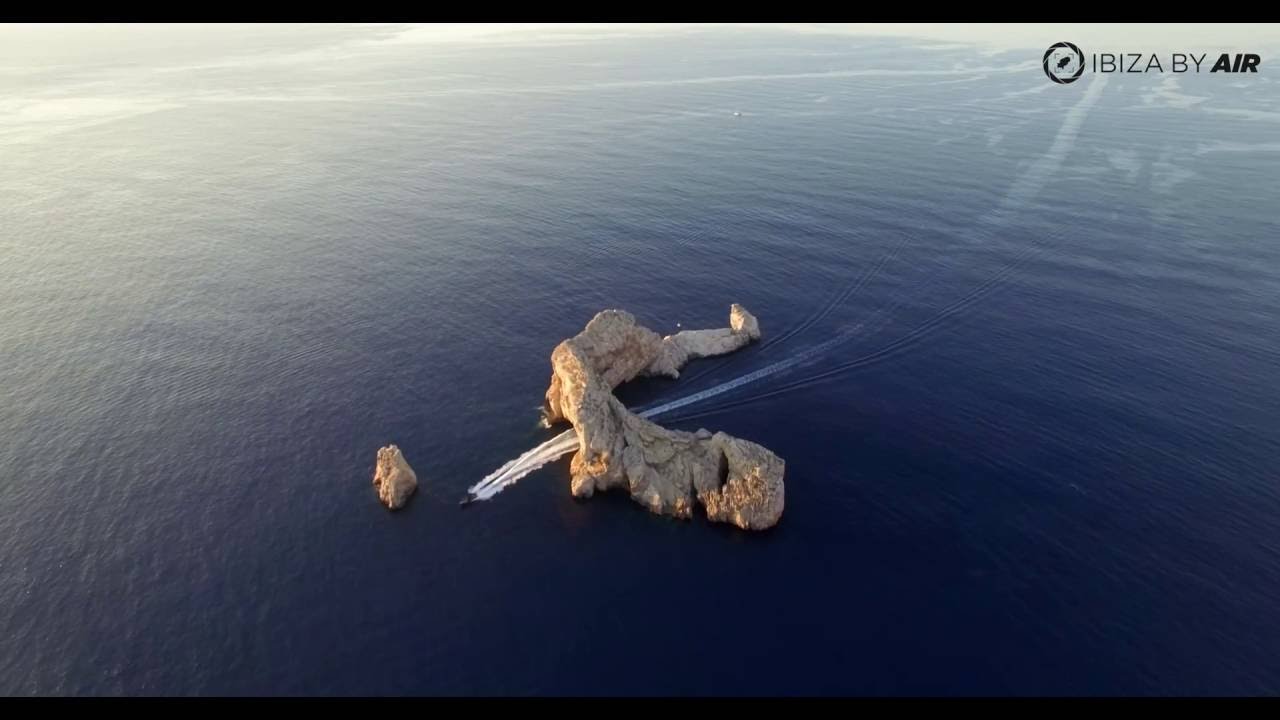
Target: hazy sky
55 78
1092 37
44 45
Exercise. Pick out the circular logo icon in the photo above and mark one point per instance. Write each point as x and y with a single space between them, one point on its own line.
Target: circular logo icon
1063 63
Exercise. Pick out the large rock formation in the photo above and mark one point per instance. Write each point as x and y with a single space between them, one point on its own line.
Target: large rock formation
393 477
665 470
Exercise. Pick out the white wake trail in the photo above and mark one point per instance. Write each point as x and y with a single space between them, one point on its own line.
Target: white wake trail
567 441
1024 189
549 451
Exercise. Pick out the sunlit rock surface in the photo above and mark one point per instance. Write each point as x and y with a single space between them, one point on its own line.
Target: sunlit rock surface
667 471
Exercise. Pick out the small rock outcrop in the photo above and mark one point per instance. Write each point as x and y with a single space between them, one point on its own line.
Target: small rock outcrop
737 481
393 478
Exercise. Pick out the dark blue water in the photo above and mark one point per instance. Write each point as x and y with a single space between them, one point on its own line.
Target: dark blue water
228 278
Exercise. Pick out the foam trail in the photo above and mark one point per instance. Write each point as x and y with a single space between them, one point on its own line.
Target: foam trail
551 450
844 295
902 344
567 441
1024 189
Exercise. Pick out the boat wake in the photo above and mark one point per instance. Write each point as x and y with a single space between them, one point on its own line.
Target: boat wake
1020 194
567 441
497 481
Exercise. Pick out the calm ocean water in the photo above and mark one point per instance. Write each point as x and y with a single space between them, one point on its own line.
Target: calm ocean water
229 275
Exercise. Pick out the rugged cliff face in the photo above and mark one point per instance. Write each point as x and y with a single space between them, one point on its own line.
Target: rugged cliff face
737 481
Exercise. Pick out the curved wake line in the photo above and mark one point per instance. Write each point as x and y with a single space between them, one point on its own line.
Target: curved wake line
567 441
912 338
853 289
893 349
1025 188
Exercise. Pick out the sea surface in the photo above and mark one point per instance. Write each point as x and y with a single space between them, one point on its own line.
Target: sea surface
236 262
